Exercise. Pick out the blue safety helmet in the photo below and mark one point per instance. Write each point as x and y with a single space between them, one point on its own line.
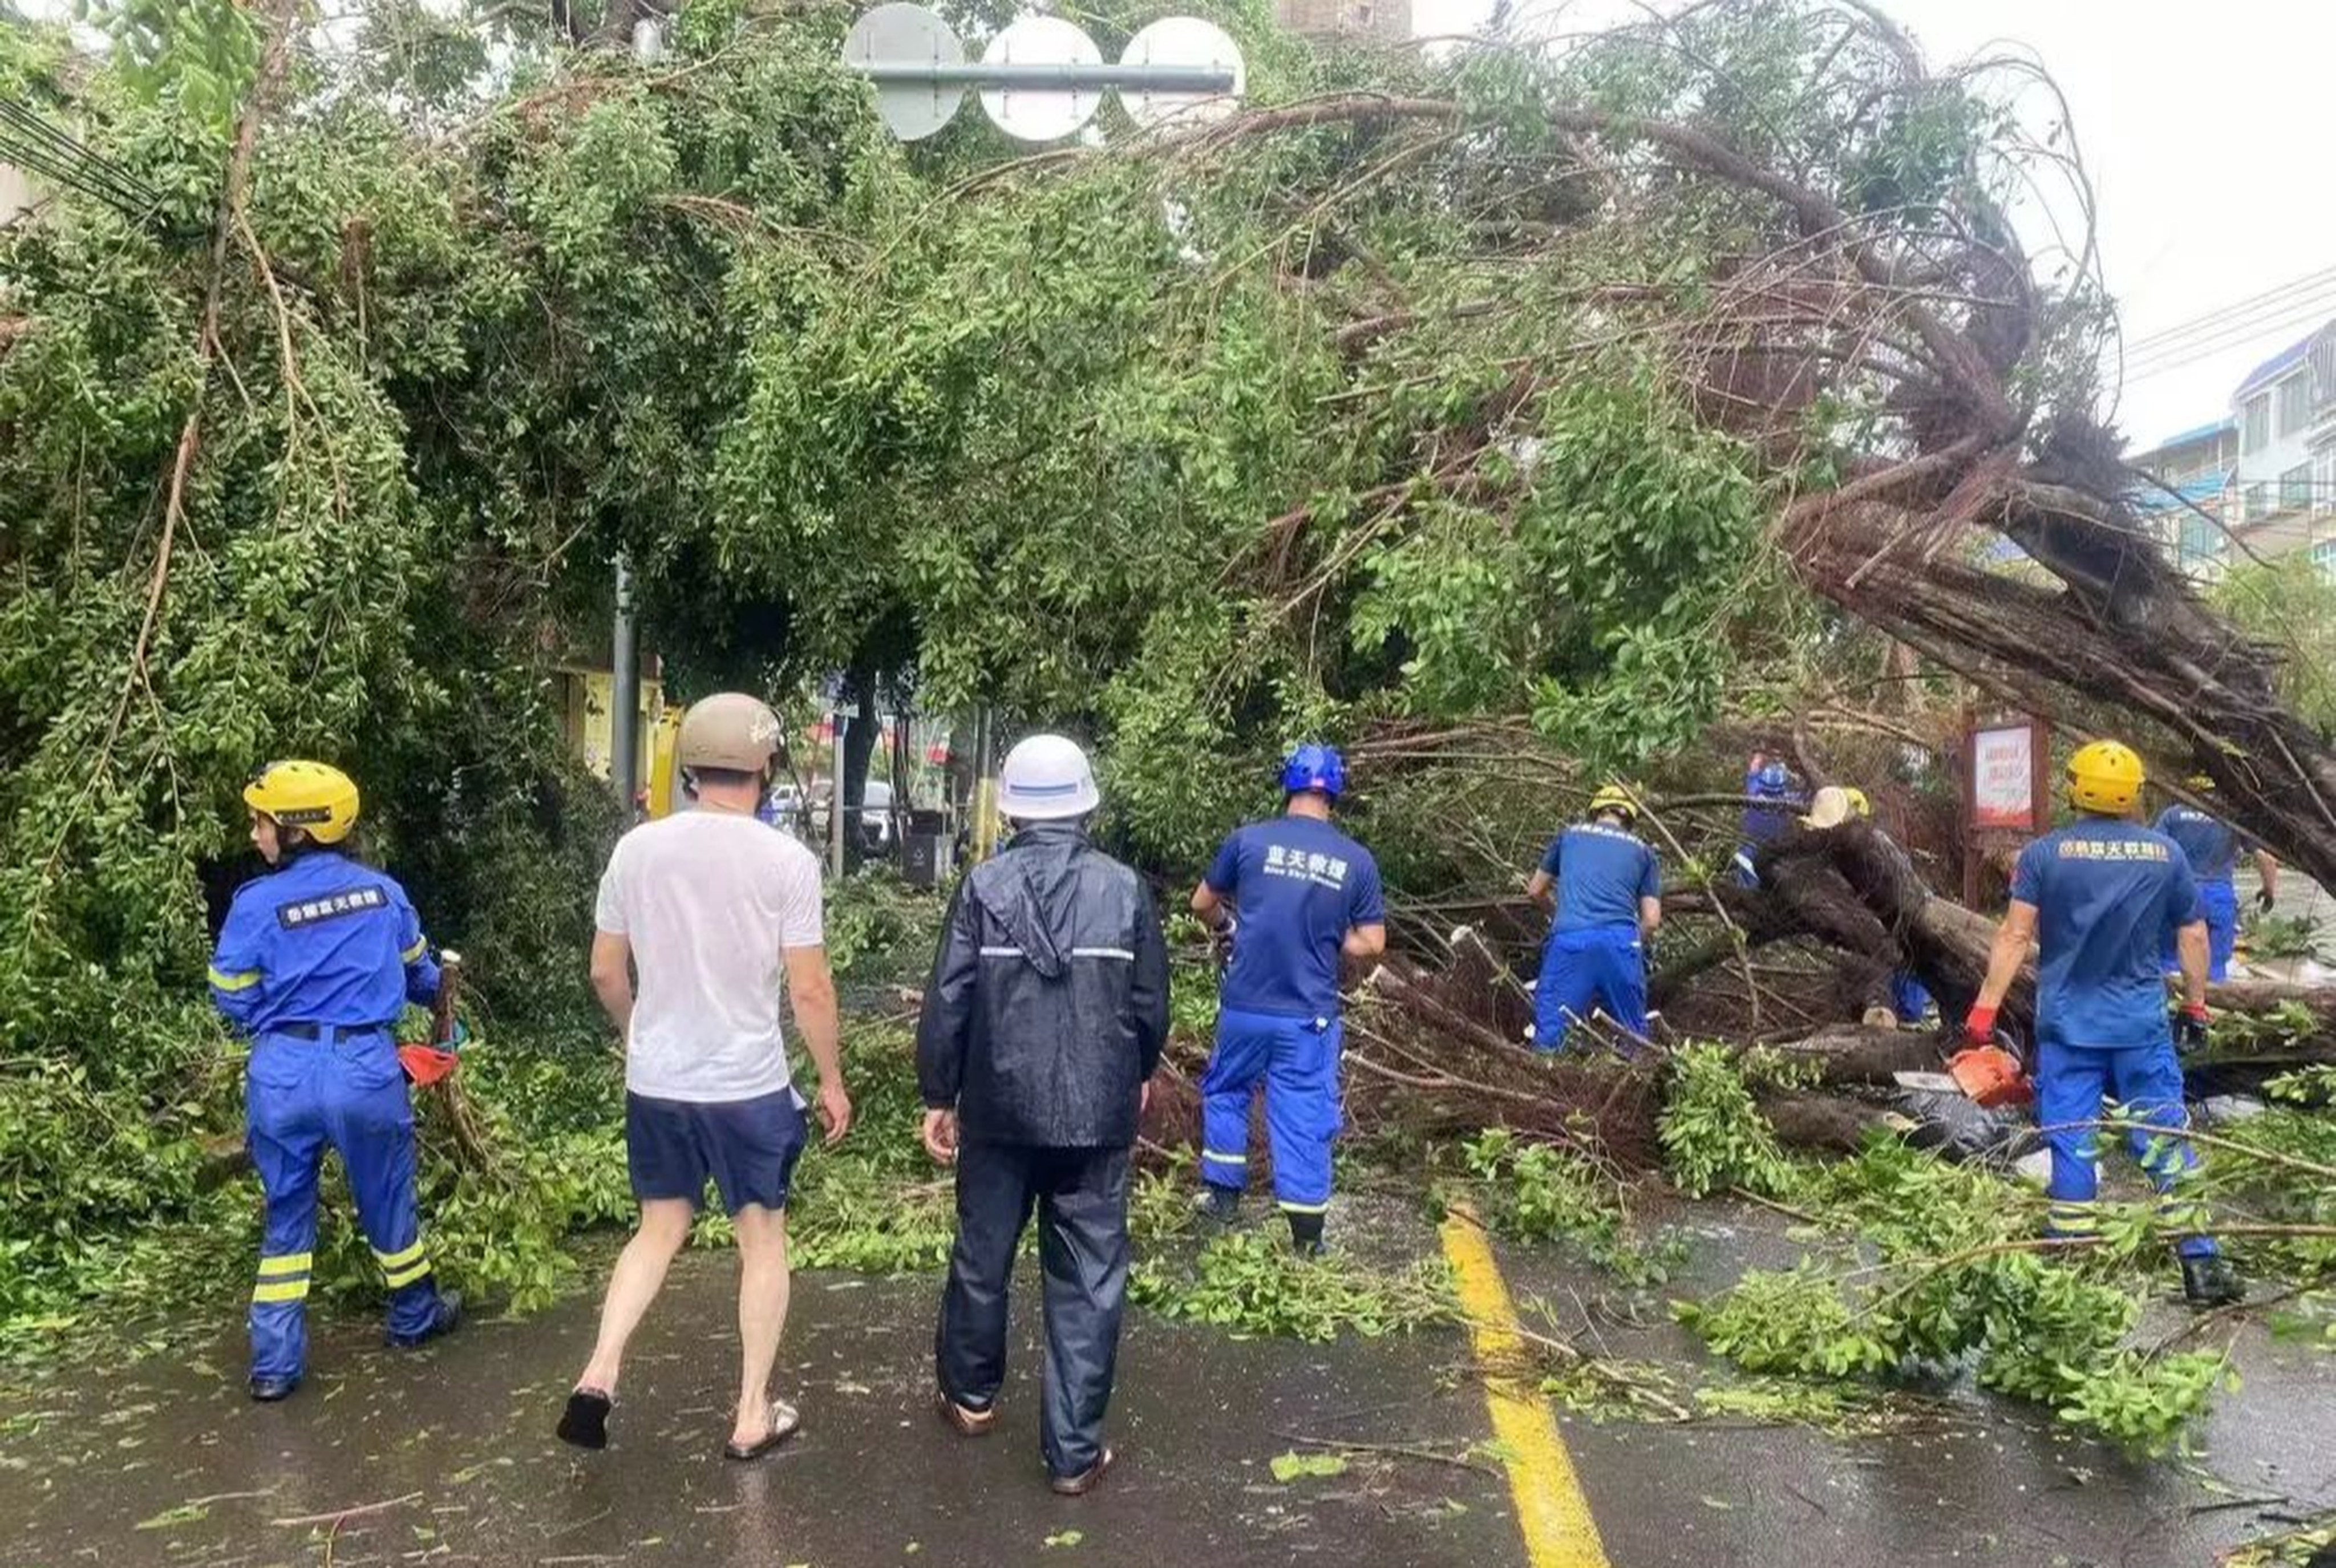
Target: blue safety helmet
1773 778
1315 766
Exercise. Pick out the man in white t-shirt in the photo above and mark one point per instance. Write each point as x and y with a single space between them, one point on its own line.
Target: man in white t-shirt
709 906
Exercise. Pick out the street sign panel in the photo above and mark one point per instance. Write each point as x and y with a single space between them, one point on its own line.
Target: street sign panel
1041 79
904 34
1046 114
1181 41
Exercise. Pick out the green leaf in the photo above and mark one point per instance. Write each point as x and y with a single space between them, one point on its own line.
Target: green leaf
1289 1466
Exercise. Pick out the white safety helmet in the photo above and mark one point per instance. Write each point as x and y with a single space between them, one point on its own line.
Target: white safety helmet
1046 778
1829 808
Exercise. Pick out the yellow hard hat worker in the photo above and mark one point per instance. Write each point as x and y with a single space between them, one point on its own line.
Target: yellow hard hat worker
2105 778
1612 796
1859 805
315 797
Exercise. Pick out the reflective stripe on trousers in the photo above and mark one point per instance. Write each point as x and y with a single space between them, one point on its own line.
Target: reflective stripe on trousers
345 1092
1297 1061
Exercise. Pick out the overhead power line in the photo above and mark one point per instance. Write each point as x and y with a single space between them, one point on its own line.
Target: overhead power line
2245 330
29 140
2216 319
2278 327
2305 311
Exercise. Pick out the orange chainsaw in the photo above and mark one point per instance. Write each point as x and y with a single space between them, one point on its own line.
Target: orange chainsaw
1990 1075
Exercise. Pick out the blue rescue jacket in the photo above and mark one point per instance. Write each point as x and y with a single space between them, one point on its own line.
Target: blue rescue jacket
326 939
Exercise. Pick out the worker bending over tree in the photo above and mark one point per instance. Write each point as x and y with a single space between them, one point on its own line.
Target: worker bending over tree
1295 894
2100 898
1606 888
1910 1000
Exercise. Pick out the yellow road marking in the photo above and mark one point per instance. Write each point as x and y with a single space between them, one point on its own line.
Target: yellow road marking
1550 1509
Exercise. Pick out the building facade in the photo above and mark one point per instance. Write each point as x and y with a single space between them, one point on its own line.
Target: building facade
2260 483
16 193
1376 21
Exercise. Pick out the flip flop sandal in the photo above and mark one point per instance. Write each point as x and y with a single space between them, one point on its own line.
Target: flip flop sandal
785 1422
1080 1485
964 1419
585 1422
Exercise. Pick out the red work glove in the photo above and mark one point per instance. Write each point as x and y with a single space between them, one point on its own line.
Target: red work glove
1979 1025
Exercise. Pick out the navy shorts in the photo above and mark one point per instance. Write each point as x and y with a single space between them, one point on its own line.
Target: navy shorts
748 1146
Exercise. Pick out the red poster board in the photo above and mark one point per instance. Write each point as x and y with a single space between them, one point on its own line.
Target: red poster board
2003 778
2006 764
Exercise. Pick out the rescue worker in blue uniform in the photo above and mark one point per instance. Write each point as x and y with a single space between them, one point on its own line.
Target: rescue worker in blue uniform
1606 888
2212 848
314 962
2100 897
1768 784
1304 895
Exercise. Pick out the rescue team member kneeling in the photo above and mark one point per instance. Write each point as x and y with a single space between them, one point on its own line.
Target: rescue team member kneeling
1607 889
1300 894
314 962
2100 897
1042 1025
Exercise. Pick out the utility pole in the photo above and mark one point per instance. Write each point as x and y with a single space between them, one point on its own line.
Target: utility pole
835 796
624 658
625 679
985 784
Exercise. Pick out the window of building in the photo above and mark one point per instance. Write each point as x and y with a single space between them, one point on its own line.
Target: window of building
2296 488
2258 423
2294 402
2202 539
2255 501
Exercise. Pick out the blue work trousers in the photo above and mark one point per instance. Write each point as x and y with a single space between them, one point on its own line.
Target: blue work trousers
2071 1084
346 1090
1909 997
2220 901
1297 1060
1601 967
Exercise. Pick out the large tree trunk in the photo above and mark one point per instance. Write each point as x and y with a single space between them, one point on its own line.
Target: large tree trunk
2123 627
1829 1122
1849 886
1856 1054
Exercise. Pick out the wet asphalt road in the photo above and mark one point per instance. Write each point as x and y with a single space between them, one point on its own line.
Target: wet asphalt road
1988 1483
166 1464
460 1436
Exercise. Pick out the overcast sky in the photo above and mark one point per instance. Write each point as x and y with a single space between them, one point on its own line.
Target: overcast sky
2203 126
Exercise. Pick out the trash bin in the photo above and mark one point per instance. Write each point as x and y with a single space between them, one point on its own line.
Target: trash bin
931 859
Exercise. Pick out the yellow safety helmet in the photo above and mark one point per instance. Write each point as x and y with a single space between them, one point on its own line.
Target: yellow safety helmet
2105 777
315 797
1858 804
1612 797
